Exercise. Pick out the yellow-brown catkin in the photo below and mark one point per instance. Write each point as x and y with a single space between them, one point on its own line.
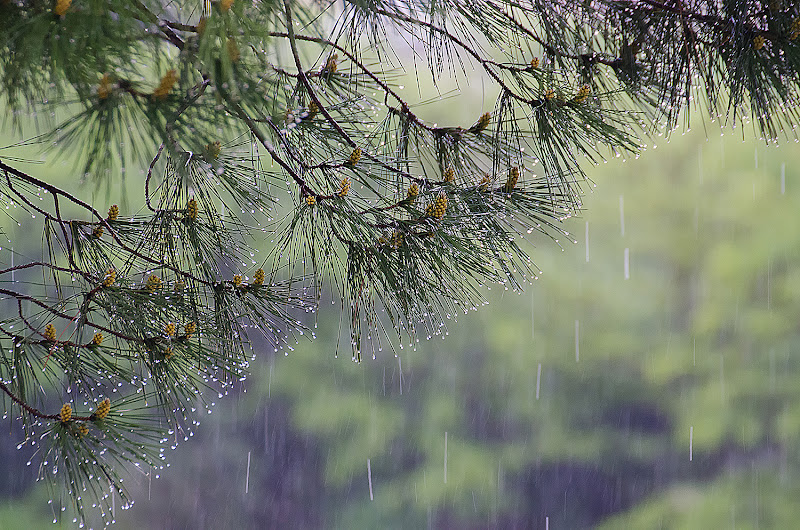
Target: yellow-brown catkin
61 7
258 277
413 191
66 413
313 109
311 200
153 283
169 329
758 42
535 62
178 287
166 85
344 187
583 94
482 123
233 50
237 280
331 64
168 353
113 212
50 333
102 410
104 87
97 340
83 430
109 278
794 29
355 156
214 149
189 329
483 185
437 208
511 181
549 94
397 239
191 210
225 5
97 233
449 175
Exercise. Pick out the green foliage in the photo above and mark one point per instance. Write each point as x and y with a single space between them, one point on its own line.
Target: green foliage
698 340
236 106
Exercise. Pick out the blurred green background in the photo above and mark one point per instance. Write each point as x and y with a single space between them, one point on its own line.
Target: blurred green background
648 379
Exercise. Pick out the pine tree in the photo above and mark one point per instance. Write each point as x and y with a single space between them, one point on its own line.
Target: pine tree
282 121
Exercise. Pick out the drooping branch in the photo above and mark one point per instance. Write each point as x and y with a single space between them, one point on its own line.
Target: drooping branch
36 413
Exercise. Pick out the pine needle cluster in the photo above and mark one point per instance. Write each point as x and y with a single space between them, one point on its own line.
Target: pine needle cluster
405 218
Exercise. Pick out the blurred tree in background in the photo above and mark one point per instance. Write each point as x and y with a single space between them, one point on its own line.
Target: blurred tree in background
253 124
608 439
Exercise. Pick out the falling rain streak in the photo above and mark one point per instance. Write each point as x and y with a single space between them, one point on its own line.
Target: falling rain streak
627 265
445 457
247 476
369 479
691 437
538 379
587 241
400 377
783 178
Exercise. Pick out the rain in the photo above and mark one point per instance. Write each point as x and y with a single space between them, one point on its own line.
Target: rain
430 344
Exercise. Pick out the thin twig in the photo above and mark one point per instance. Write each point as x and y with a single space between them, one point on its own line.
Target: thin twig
149 175
35 412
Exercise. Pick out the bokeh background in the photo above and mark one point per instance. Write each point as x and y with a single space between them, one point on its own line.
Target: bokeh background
650 378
